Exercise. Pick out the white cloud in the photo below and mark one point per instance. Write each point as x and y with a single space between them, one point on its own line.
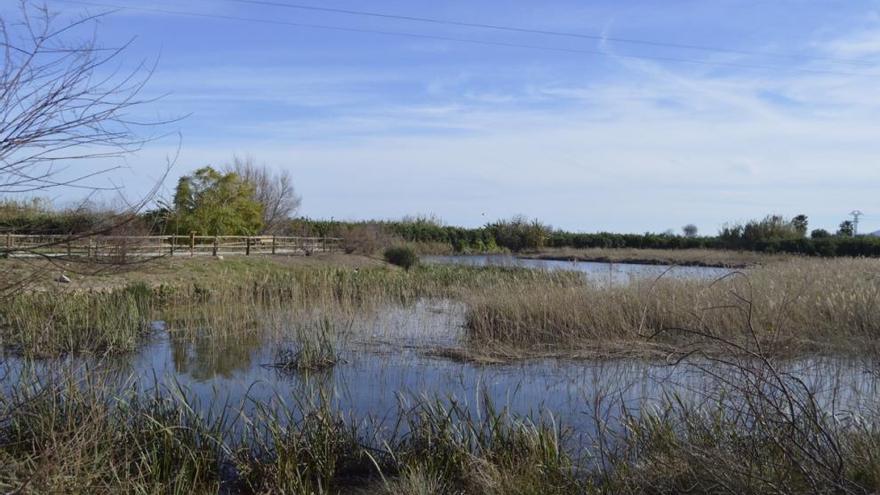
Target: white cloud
859 45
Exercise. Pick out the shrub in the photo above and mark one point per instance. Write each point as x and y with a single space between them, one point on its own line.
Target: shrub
519 233
402 256
365 238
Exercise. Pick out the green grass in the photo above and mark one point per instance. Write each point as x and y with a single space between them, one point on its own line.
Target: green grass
49 324
67 435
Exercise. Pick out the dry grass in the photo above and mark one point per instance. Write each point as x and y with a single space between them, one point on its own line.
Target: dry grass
41 274
799 305
223 303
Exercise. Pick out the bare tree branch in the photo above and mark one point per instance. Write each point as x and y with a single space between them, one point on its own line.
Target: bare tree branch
66 100
274 190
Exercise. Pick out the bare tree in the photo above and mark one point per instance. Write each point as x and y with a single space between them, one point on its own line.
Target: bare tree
273 189
64 100
61 101
689 230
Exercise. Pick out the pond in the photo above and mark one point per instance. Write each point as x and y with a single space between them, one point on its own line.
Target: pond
389 356
600 272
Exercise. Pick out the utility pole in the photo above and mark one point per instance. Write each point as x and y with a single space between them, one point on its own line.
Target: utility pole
856 214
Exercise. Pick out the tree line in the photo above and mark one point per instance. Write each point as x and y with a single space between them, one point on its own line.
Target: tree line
243 198
772 234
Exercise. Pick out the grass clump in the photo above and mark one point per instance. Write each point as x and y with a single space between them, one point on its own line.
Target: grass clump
50 324
64 435
317 452
315 349
402 256
450 446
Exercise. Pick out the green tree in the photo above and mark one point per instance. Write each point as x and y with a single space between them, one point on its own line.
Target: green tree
519 233
800 224
209 202
846 229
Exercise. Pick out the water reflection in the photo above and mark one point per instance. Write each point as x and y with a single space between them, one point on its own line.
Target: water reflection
207 358
385 362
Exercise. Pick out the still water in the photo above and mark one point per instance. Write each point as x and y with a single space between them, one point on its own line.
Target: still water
597 271
388 356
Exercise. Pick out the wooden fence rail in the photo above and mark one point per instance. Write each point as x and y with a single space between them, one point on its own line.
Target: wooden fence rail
163 245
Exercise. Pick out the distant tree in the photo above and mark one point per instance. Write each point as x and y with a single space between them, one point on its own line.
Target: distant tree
820 234
689 230
519 233
770 228
213 203
800 224
272 189
430 220
731 234
847 229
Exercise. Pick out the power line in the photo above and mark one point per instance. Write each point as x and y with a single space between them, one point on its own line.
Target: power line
456 39
516 29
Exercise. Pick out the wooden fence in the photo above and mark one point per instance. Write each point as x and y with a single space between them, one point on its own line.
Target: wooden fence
163 245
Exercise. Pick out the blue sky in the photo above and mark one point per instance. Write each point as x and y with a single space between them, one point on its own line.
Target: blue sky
381 126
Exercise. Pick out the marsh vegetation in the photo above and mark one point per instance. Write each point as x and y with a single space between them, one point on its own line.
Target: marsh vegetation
264 377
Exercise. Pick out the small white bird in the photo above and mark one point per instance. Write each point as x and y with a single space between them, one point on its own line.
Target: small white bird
64 279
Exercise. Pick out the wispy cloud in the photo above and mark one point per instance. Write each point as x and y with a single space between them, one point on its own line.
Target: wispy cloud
864 44
587 142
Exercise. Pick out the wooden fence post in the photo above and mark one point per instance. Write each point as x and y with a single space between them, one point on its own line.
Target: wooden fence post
273 244
216 245
68 248
173 238
247 246
8 241
192 243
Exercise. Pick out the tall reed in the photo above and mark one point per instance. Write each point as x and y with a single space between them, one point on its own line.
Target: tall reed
73 435
48 324
806 304
112 321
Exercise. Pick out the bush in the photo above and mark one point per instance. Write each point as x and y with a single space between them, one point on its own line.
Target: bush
365 238
519 233
402 256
